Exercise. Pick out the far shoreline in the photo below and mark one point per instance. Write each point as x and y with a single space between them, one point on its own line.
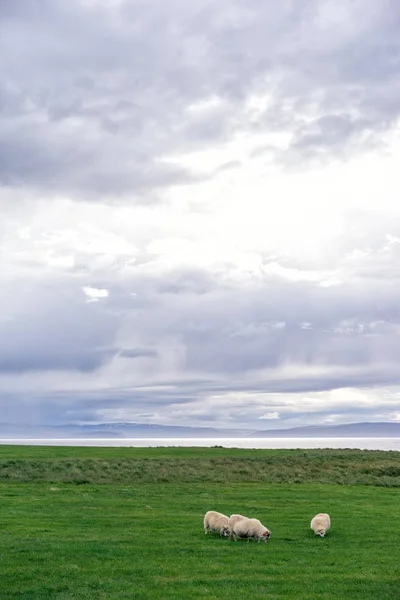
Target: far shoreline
388 443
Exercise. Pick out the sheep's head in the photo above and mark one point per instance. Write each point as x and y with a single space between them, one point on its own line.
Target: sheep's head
266 535
321 532
226 531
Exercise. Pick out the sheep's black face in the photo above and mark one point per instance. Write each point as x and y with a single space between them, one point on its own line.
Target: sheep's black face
226 531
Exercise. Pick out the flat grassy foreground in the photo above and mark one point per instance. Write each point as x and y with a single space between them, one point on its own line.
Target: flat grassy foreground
145 540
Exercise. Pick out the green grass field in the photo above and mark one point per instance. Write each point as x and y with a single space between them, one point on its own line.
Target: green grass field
135 530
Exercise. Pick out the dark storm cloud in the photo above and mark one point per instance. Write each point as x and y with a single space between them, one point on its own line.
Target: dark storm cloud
94 95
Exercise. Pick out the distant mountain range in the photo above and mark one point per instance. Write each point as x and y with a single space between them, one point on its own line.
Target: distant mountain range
350 430
137 430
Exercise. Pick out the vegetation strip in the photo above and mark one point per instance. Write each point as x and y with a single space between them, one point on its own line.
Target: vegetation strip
181 465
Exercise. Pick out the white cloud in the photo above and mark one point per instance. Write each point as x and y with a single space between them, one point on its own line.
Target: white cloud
95 294
270 416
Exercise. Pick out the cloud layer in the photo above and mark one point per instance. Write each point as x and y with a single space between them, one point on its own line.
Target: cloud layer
199 219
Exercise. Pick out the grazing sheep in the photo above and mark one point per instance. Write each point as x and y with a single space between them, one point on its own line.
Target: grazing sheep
234 518
243 527
215 521
320 524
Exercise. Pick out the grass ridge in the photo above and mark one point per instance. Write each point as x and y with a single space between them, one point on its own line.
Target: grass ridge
199 465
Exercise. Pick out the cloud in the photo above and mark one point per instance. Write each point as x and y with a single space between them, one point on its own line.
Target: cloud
98 118
94 294
49 327
137 353
270 416
200 220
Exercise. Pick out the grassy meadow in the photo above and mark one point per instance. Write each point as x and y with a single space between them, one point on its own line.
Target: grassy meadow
128 523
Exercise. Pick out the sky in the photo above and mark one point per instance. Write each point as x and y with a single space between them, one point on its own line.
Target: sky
199 212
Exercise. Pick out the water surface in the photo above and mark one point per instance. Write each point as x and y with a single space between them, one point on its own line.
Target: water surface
387 443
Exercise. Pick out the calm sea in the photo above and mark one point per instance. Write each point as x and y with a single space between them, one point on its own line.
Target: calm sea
360 443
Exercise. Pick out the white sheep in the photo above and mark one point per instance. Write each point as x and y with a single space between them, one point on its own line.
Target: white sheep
215 521
243 527
320 524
